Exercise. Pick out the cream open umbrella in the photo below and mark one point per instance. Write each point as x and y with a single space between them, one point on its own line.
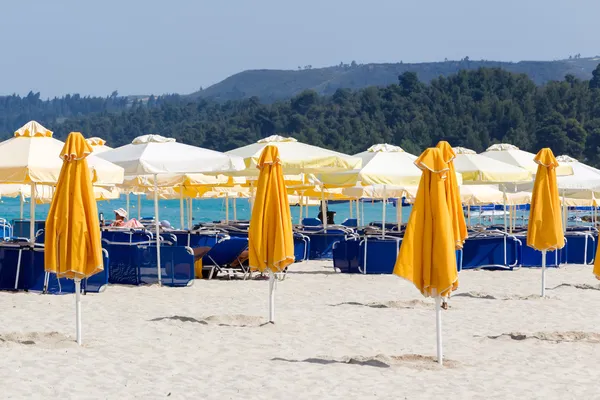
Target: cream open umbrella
512 155
32 157
98 145
157 156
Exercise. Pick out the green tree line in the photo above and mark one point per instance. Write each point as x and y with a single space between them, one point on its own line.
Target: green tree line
472 109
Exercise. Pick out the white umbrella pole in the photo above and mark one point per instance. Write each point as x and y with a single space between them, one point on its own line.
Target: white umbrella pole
438 328
351 209
181 208
156 226
234 208
127 205
190 213
358 212
78 309
139 206
32 214
271 297
469 214
399 213
21 205
362 213
383 210
543 273
505 222
301 208
226 207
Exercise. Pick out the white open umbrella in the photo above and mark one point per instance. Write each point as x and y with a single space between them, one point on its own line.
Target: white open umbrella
157 155
32 157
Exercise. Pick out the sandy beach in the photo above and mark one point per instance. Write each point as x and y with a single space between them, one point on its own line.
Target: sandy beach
336 336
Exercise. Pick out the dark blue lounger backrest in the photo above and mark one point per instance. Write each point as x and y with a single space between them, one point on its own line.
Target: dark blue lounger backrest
225 252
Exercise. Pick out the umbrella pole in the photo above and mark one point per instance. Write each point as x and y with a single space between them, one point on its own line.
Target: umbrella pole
127 205
271 296
323 210
565 213
227 207
190 213
543 273
156 226
234 208
469 214
383 210
78 309
438 327
32 214
21 205
301 205
181 208
505 222
358 212
139 206
362 213
351 209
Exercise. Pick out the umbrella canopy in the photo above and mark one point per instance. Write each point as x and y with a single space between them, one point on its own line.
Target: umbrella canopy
545 230
155 154
375 192
514 156
98 145
31 156
475 168
45 193
296 157
72 241
427 255
270 237
459 226
382 164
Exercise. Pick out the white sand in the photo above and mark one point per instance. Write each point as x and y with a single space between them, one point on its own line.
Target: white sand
149 342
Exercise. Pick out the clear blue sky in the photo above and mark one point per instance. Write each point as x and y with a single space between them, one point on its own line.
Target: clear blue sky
158 46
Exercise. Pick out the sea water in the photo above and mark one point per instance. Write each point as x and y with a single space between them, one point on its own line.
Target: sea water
206 210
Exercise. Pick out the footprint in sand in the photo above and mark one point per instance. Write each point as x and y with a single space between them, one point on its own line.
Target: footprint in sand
487 296
410 304
582 286
219 320
45 339
416 361
557 337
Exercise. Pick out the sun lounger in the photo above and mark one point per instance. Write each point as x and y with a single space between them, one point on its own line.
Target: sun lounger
486 250
321 240
346 255
581 247
223 254
378 255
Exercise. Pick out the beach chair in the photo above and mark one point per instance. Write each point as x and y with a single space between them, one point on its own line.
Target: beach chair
346 254
350 223
533 258
582 247
301 247
311 222
378 255
6 229
492 250
20 227
322 240
223 254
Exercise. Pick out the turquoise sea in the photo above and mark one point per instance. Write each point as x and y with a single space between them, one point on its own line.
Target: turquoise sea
204 210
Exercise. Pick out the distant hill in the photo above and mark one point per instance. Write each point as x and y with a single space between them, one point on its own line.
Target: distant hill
272 85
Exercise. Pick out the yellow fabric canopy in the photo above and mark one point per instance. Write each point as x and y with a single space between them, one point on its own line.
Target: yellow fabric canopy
72 241
427 255
545 230
459 226
270 237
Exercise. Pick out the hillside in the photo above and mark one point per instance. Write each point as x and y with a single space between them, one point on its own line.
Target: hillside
272 85
472 109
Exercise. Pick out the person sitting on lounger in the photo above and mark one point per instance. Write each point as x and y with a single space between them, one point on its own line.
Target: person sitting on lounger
122 222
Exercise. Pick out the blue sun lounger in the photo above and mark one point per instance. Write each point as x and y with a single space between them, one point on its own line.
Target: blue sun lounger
224 253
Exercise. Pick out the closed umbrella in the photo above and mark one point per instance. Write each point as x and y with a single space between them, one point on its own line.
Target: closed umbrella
427 255
270 237
545 231
72 242
459 226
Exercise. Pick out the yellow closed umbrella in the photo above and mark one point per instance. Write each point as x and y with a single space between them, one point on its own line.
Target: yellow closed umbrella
545 230
72 242
270 236
459 226
597 265
427 255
